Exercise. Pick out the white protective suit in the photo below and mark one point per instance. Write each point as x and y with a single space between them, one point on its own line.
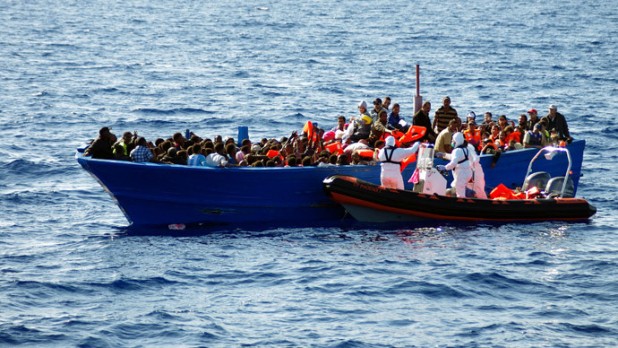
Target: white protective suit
390 158
460 164
479 175
477 170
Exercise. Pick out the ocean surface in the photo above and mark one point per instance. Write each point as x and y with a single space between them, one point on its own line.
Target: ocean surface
72 274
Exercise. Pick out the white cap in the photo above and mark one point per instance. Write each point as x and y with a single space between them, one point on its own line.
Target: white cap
363 104
553 107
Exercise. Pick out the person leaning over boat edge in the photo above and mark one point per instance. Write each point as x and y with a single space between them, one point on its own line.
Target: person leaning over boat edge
390 158
101 147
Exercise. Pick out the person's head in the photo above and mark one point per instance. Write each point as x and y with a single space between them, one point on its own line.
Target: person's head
230 149
453 125
396 109
472 126
104 133
141 141
426 107
502 121
127 137
341 121
471 117
487 117
446 101
196 149
523 118
553 109
538 127
533 114
342 160
362 107
178 138
377 104
220 148
387 102
502 136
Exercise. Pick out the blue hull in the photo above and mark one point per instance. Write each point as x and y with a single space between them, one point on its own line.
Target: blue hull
160 194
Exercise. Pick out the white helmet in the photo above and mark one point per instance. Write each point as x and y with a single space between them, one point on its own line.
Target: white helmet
390 141
458 139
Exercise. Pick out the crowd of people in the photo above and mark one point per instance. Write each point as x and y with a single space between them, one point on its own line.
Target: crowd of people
353 140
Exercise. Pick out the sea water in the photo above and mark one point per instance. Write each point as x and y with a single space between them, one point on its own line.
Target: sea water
72 274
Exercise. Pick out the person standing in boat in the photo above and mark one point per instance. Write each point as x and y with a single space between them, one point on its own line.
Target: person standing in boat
444 115
378 110
533 119
478 175
460 164
390 158
557 121
421 118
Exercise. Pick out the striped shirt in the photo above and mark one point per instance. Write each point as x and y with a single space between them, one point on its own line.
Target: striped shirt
443 117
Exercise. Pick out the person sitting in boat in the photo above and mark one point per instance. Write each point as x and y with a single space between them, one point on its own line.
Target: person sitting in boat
196 159
217 158
557 121
390 158
473 135
101 147
379 129
124 146
488 147
361 127
142 152
488 122
395 121
503 122
535 138
460 164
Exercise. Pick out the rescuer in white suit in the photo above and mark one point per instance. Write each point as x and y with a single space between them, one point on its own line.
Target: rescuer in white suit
460 164
478 174
390 158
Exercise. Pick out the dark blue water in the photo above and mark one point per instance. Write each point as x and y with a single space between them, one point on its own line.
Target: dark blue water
72 275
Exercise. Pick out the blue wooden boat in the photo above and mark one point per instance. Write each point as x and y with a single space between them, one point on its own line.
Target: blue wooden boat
152 194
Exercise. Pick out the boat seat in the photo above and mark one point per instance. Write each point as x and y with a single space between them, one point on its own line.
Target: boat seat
554 186
537 179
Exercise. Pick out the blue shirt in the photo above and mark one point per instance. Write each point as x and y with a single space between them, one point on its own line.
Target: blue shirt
198 160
